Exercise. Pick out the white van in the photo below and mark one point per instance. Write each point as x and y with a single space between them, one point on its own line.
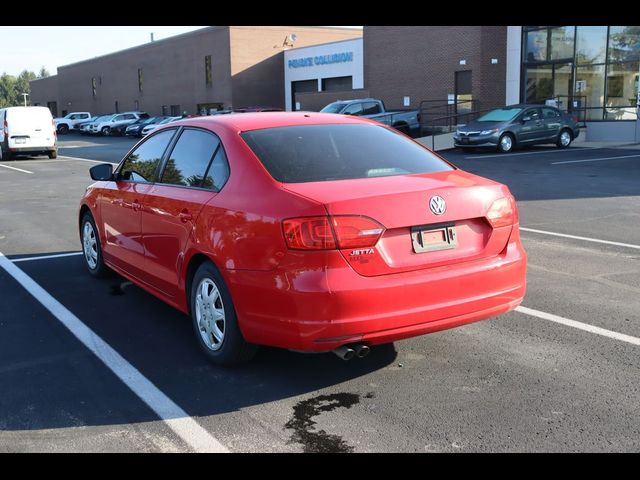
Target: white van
28 130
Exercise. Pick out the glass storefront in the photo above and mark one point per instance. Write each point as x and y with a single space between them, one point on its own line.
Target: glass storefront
592 70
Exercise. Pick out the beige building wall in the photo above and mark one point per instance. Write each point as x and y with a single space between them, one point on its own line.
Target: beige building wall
257 62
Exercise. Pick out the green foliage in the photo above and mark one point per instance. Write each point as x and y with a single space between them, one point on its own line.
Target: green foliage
12 88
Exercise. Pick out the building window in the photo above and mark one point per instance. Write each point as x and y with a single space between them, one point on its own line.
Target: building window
175 110
590 70
136 105
591 45
140 80
93 87
165 110
208 78
624 44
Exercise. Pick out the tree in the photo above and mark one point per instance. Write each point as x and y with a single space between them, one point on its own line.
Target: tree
12 88
44 73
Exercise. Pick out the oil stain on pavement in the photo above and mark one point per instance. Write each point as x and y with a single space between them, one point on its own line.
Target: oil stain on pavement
302 423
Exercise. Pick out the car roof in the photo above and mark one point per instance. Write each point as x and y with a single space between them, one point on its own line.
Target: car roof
259 120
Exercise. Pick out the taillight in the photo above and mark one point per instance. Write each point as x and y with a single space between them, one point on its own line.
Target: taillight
309 233
329 233
503 212
356 232
6 129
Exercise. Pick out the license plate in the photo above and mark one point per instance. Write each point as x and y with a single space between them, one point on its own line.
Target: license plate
21 140
429 238
464 140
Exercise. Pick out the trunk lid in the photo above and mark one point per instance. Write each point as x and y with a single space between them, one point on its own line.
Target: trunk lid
402 205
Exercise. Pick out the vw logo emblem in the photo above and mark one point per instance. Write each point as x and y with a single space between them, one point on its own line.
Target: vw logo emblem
437 205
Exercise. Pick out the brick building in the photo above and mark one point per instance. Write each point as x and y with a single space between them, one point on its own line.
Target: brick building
210 68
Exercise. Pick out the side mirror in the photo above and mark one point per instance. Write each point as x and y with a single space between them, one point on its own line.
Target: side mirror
104 172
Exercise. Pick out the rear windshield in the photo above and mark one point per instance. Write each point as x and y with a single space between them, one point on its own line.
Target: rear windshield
317 153
500 115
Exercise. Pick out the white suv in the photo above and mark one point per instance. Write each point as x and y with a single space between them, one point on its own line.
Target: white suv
70 121
104 127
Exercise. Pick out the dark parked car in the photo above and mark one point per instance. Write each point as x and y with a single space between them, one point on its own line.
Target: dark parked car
518 125
135 129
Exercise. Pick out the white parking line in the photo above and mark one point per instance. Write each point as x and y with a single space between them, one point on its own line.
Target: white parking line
595 159
579 325
87 160
17 169
575 237
575 149
175 417
43 257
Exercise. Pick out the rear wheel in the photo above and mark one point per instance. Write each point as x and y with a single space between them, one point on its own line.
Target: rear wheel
53 154
91 247
214 319
505 144
564 139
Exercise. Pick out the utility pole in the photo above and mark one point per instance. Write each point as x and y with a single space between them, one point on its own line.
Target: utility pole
25 98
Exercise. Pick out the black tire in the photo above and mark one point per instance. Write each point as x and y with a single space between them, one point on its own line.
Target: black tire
4 154
53 154
506 146
100 270
564 138
105 131
63 129
233 349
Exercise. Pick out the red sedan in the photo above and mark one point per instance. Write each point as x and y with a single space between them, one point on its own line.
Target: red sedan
306 231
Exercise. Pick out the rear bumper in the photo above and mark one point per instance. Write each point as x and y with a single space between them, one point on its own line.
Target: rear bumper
320 309
33 149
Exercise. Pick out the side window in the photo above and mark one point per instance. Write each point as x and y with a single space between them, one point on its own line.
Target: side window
84 116
371 108
218 173
535 114
550 113
117 118
129 116
73 117
189 161
140 166
354 109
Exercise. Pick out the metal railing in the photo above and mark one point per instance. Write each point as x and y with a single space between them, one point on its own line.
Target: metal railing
439 116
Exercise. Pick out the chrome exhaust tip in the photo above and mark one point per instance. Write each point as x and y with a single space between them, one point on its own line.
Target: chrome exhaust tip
345 353
362 351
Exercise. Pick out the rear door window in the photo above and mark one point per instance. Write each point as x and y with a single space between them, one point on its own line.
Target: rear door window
140 165
550 112
316 153
371 108
189 162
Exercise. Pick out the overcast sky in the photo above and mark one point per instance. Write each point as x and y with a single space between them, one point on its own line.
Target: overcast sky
31 48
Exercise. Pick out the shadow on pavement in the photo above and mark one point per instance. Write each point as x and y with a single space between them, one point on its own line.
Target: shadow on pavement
49 380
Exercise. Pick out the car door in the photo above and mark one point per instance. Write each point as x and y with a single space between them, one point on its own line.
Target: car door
553 122
121 200
532 126
193 173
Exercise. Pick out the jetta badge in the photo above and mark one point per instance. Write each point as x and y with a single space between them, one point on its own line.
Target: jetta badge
437 205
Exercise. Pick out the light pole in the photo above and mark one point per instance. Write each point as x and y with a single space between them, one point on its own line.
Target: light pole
25 95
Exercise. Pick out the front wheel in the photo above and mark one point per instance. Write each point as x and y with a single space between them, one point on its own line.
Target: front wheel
564 139
214 319
91 247
505 144
105 131
63 129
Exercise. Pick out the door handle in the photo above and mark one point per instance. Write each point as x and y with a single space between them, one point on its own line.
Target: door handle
185 216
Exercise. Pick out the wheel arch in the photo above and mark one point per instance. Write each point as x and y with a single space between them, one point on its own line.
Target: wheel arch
192 264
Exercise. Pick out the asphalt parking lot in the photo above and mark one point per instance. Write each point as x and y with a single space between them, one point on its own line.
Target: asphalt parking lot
559 374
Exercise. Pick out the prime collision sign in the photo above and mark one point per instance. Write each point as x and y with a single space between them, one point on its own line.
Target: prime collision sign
321 60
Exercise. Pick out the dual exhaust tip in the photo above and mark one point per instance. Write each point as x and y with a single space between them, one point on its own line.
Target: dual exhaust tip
347 352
